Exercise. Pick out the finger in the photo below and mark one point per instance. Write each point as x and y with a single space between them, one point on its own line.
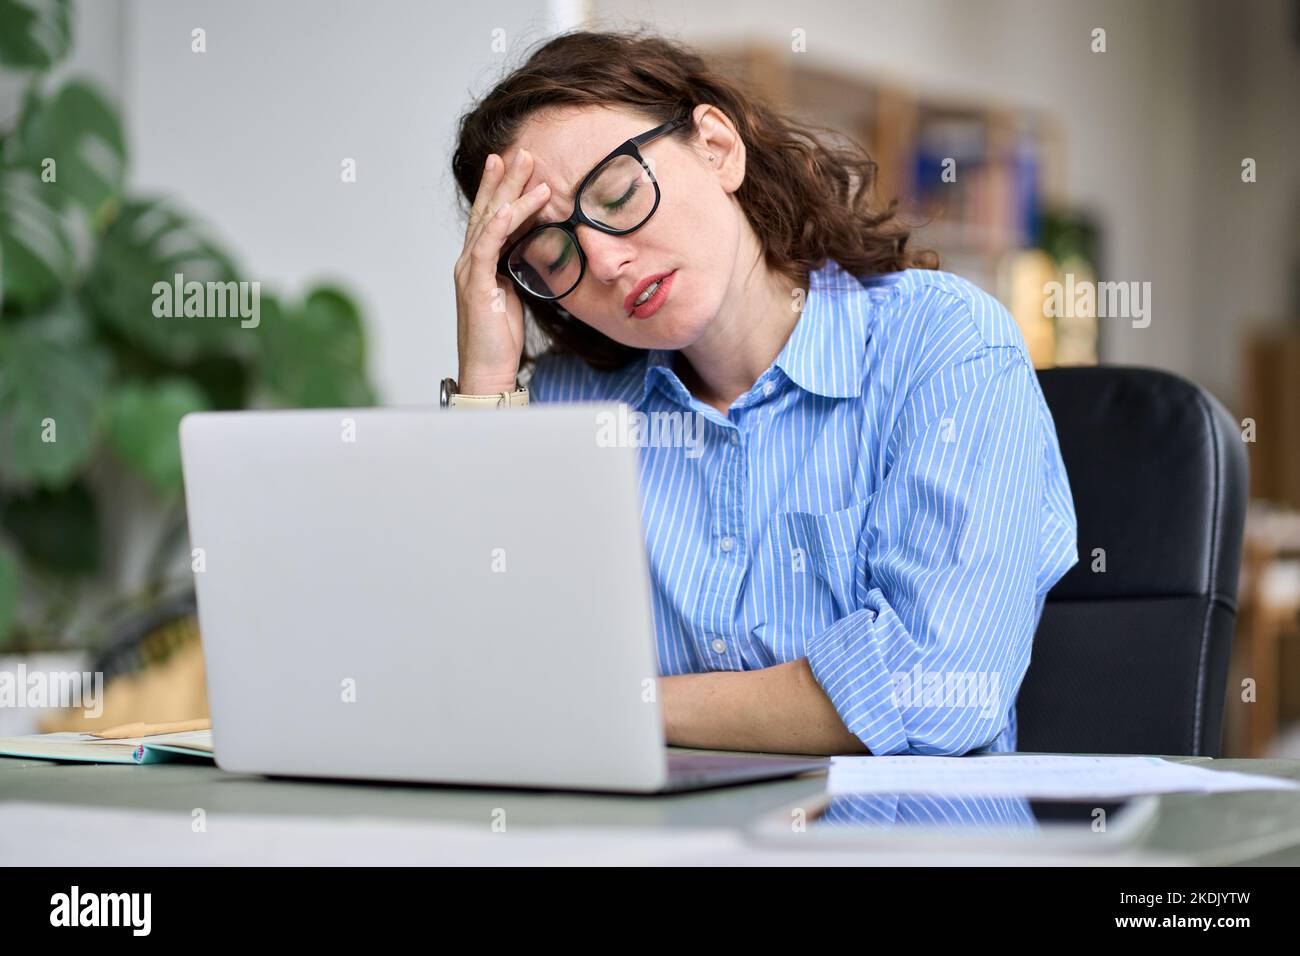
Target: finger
517 173
510 185
486 188
492 238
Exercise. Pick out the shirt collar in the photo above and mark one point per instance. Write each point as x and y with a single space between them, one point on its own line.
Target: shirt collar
825 353
634 383
827 349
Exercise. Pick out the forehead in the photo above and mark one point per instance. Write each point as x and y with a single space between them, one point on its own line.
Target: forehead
567 143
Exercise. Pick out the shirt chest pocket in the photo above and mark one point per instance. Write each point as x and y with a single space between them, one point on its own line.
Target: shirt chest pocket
815 559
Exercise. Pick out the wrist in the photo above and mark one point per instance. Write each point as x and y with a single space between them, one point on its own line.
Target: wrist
481 385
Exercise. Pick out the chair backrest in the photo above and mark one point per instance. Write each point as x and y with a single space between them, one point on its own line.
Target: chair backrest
1131 654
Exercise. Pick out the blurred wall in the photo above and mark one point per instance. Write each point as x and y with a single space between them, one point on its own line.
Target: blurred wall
1245 260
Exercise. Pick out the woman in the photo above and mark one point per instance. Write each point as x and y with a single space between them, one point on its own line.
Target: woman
855 559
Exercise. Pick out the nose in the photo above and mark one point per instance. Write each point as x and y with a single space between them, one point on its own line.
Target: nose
607 256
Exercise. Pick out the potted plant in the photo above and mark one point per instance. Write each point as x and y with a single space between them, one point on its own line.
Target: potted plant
97 367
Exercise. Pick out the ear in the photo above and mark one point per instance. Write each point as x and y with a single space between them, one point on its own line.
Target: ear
721 148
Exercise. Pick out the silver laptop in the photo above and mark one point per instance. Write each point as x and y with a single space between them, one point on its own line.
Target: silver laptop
450 597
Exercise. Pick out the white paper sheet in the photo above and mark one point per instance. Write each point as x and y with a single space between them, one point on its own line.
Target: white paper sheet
1037 775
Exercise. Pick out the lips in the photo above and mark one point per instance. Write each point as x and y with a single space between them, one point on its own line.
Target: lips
629 303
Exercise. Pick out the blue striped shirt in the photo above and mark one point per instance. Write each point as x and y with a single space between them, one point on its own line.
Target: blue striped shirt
888 500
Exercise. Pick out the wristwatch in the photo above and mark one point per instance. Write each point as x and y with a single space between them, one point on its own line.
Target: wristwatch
450 398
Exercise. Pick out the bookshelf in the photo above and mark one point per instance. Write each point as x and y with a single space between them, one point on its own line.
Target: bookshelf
978 180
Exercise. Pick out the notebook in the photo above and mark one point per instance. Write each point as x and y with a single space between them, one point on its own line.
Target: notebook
70 745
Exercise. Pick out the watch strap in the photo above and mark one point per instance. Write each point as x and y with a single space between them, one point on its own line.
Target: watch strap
451 398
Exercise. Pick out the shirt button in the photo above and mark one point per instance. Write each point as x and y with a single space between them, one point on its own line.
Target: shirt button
735 438
719 646
769 388
726 543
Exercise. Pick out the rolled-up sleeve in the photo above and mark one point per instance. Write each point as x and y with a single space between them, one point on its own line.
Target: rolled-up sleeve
956 543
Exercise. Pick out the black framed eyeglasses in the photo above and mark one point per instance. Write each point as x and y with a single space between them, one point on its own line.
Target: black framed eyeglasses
618 196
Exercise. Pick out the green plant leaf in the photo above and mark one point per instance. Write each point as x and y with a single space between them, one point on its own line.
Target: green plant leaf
315 356
36 255
143 424
9 576
223 379
34 34
58 530
147 244
76 137
52 382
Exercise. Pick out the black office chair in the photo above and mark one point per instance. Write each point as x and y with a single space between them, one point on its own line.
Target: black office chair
1135 659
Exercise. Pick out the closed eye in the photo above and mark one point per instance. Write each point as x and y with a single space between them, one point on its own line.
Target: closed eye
625 198
559 263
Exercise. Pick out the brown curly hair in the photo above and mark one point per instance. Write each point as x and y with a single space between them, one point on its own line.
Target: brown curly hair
806 199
